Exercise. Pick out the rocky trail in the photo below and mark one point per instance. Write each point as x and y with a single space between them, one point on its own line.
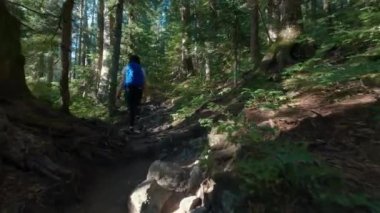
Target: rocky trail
112 185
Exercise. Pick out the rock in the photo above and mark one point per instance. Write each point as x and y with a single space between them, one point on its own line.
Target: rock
218 140
205 191
148 197
226 196
196 177
371 80
169 176
199 210
189 203
226 153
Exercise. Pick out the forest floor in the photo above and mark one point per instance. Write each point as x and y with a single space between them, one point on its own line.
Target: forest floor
336 123
340 124
97 166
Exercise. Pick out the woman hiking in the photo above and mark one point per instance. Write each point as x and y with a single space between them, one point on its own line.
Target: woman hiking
133 82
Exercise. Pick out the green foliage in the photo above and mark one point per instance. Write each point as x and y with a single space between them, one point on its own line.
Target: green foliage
263 98
82 106
310 75
190 108
277 173
88 108
45 92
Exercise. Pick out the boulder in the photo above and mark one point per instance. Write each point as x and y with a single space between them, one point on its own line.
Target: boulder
148 197
218 140
226 195
199 210
189 203
169 176
196 178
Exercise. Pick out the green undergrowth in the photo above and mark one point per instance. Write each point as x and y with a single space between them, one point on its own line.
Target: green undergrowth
81 106
284 174
348 49
192 94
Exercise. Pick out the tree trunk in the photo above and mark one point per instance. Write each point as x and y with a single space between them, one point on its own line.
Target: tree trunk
80 39
274 17
12 75
115 57
103 85
291 15
313 8
100 42
282 52
207 65
255 41
50 68
85 38
65 53
131 21
236 46
41 66
326 6
187 61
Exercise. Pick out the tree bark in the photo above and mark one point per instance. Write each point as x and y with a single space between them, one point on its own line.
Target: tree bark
85 36
274 17
313 8
291 16
100 42
65 53
80 39
255 41
187 61
50 69
41 66
103 85
115 57
326 6
12 75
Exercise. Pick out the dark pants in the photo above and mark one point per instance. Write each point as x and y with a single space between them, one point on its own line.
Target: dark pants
133 95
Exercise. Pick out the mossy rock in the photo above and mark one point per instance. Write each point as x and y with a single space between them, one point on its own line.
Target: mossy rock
371 80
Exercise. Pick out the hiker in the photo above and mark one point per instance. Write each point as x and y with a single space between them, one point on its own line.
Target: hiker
133 82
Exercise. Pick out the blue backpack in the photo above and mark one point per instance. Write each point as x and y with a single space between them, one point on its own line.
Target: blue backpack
134 75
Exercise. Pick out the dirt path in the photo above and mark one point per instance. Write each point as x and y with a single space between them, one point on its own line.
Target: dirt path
111 187
109 191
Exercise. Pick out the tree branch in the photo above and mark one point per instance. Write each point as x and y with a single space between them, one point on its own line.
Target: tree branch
33 10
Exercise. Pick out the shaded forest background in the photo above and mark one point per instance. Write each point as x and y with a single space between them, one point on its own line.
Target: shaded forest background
206 41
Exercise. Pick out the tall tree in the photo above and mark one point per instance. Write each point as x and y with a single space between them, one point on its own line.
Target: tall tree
274 17
313 8
85 36
255 41
326 6
50 68
291 12
187 61
67 11
115 56
12 75
100 41
103 84
80 36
